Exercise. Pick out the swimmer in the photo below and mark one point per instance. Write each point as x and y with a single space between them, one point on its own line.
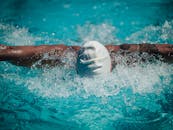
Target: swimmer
92 57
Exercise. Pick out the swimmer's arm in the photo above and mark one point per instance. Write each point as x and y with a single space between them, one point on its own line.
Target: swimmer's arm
164 50
28 55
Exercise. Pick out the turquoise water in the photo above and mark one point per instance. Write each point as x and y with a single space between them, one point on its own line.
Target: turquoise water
131 97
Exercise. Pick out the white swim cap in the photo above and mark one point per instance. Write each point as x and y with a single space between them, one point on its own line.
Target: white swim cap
93 59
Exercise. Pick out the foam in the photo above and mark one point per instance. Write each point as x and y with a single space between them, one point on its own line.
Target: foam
16 35
141 78
104 33
153 34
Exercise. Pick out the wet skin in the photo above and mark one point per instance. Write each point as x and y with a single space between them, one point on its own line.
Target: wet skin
28 55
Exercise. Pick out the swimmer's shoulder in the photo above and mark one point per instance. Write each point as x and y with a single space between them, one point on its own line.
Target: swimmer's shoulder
63 47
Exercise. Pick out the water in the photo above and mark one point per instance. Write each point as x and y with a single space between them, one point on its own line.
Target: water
138 96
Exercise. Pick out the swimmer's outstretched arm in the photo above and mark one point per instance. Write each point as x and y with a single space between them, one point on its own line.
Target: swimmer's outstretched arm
164 50
28 55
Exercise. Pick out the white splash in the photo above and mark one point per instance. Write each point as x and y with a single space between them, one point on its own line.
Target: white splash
104 33
17 36
153 34
140 78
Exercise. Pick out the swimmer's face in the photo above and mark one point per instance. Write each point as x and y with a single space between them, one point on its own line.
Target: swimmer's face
93 59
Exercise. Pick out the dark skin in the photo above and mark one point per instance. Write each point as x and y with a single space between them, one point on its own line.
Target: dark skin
28 55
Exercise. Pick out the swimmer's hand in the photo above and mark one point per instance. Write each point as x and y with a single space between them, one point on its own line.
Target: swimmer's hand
3 47
3 51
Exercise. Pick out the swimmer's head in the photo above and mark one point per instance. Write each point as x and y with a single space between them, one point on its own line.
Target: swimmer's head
93 59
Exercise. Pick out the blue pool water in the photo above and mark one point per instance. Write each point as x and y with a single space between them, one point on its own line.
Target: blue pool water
131 97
